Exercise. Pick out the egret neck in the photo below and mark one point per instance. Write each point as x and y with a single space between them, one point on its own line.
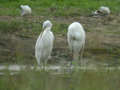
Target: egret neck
48 29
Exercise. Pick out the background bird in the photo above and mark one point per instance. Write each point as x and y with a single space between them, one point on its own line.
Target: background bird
76 39
25 10
102 11
44 44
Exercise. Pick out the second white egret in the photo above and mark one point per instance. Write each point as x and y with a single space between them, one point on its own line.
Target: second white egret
76 39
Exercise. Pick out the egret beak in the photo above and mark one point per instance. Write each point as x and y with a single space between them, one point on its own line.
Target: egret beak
44 26
21 6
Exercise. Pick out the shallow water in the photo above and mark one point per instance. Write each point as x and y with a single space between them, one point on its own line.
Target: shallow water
58 69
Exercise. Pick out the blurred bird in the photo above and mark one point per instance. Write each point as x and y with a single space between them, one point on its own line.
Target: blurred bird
44 44
103 10
25 10
76 39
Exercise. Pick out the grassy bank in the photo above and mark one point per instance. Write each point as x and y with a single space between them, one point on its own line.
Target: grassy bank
57 7
19 34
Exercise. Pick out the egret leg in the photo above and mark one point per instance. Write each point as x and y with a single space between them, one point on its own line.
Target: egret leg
49 57
76 58
71 60
81 57
40 64
45 64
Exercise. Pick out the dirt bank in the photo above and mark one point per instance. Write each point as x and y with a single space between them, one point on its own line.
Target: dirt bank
102 43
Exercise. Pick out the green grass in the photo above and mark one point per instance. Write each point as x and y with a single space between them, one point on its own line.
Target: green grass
25 28
48 9
10 26
41 80
57 7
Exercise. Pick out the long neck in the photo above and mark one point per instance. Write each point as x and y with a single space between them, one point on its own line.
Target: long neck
48 28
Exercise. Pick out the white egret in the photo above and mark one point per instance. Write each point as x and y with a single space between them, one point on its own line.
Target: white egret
104 10
26 10
44 44
76 39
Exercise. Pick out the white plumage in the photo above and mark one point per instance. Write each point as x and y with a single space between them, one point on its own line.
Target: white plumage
44 44
76 39
104 10
26 10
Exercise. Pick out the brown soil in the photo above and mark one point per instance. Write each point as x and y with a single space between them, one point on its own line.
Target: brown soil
102 42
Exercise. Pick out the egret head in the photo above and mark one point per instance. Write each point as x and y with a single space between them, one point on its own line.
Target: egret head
21 6
47 24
